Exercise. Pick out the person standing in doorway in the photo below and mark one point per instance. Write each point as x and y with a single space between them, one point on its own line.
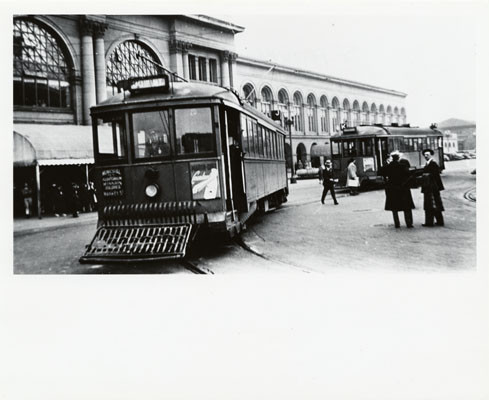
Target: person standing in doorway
431 187
397 192
352 181
27 197
328 181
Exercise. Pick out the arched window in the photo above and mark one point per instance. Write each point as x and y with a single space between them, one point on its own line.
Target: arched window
130 59
373 114
335 114
356 113
249 94
381 116
298 112
42 71
396 115
323 113
346 114
266 101
364 115
283 104
311 113
403 115
388 115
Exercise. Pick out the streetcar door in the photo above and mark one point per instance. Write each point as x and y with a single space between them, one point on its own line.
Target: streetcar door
381 151
236 160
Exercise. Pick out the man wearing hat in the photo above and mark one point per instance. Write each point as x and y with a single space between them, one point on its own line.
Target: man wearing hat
431 187
397 192
328 181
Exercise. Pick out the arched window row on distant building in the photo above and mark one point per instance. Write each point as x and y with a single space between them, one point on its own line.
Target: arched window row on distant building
41 65
325 117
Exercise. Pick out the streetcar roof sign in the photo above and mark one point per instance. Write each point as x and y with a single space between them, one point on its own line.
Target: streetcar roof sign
387 130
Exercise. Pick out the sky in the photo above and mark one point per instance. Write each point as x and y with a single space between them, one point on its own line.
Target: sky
426 51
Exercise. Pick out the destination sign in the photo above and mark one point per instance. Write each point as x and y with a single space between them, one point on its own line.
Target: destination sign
112 184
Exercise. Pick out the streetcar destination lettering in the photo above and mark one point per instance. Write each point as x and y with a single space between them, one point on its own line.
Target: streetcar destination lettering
112 184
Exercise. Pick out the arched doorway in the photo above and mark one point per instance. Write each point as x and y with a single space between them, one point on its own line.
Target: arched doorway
301 154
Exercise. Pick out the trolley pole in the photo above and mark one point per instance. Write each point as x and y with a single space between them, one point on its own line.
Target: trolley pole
289 122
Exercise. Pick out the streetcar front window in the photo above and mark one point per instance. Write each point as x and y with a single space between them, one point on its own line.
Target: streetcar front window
151 134
193 128
110 134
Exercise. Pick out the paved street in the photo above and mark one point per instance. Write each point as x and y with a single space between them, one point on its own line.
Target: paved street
303 236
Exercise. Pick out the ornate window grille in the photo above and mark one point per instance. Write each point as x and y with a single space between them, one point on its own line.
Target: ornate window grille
129 60
41 72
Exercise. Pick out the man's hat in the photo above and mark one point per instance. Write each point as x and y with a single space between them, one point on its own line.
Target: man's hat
429 151
328 162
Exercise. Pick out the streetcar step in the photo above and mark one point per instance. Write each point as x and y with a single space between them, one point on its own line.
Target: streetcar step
138 243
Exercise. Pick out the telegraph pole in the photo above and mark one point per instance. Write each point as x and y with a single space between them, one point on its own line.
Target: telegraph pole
289 122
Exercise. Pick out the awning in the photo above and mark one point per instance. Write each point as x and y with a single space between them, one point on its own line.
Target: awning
320 150
52 144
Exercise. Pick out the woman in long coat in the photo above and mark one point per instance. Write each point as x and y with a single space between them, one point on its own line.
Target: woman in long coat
397 192
352 181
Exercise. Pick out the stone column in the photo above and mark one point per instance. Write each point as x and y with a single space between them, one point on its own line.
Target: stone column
186 46
100 67
233 79
88 70
178 58
225 69
207 72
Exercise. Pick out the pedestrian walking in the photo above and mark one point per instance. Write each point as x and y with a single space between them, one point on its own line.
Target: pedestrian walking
431 187
328 179
397 192
352 180
27 197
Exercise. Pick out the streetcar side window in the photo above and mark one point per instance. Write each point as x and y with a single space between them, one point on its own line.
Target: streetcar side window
111 138
151 135
193 129
336 148
244 135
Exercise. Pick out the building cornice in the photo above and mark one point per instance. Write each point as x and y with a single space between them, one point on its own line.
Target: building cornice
228 26
315 75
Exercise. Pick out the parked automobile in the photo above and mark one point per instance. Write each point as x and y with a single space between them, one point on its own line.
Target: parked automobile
306 173
456 156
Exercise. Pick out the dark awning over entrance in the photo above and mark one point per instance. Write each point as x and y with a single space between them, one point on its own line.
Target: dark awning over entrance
320 150
52 144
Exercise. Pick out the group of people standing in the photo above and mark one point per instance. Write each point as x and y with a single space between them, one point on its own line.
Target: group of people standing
398 182
59 199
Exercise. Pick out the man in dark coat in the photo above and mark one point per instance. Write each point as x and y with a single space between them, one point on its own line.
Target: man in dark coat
397 192
431 187
327 177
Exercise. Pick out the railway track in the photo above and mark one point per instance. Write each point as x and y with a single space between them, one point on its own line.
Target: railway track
470 195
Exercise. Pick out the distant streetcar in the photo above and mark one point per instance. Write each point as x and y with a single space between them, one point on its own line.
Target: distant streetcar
175 156
370 146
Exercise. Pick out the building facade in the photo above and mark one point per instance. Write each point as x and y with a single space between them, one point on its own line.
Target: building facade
64 64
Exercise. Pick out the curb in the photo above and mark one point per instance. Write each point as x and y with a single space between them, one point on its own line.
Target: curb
30 231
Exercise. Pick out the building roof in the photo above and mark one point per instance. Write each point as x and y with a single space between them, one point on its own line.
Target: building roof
316 75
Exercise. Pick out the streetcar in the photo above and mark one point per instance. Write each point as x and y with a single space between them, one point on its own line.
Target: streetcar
370 146
173 157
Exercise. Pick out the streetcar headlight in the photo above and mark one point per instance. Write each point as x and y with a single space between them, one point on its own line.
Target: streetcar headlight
151 190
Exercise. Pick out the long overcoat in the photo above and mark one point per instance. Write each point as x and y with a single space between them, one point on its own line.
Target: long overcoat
397 192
